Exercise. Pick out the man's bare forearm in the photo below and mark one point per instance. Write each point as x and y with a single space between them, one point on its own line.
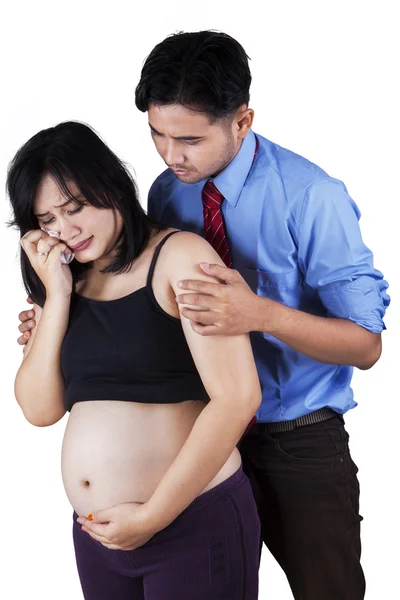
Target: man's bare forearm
327 340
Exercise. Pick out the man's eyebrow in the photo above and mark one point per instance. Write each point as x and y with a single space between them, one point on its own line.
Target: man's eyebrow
78 199
180 137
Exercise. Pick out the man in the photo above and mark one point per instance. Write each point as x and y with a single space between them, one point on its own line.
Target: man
303 283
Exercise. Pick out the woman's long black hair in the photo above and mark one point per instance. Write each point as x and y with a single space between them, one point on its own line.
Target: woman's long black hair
72 151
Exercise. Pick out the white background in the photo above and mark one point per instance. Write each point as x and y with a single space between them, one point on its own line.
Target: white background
324 77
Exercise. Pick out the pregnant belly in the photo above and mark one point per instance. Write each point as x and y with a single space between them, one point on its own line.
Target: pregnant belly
115 452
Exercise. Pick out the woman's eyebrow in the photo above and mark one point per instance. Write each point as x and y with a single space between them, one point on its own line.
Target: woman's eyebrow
79 199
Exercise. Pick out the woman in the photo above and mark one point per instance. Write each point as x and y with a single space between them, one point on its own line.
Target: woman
156 410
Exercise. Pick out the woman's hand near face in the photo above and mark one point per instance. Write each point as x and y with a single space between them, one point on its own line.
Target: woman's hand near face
39 384
44 254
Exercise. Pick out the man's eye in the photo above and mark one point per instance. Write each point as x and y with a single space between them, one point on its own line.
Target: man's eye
48 222
191 142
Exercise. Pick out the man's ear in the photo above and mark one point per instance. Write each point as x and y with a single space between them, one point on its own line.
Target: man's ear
244 120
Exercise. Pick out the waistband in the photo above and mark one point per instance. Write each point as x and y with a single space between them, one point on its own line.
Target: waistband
217 492
323 414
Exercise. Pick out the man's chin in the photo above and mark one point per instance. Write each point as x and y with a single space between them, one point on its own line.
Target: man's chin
188 176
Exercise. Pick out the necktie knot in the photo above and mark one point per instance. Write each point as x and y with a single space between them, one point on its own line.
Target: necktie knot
211 196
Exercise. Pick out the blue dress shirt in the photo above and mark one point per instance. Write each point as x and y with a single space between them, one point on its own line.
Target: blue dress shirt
294 236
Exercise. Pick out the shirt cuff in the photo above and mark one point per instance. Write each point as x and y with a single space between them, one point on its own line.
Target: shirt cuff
362 301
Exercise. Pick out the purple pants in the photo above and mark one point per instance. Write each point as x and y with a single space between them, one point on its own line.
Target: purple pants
210 552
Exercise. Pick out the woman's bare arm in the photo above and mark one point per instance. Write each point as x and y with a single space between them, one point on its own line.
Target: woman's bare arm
226 366
39 385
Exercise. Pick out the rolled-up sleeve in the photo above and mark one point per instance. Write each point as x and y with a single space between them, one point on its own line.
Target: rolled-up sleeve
334 259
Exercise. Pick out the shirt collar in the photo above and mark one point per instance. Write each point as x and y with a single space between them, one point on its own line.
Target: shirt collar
231 180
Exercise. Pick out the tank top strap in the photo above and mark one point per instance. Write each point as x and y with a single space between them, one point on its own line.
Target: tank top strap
155 256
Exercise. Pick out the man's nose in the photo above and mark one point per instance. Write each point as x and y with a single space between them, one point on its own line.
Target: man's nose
174 155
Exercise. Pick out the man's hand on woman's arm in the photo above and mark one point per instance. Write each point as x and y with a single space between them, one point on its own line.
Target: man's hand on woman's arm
27 318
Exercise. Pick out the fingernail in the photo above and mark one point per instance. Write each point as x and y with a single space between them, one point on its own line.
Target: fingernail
205 264
30 323
26 334
30 313
180 283
90 517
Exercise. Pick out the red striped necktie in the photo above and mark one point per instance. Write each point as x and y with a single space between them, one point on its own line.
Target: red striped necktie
214 230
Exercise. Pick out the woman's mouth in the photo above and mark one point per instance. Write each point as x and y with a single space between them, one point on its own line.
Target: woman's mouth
82 246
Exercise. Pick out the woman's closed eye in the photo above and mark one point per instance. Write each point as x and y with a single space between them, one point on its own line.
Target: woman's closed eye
69 212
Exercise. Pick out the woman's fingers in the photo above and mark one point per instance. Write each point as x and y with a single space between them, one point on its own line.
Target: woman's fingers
38 243
44 254
29 241
57 249
44 246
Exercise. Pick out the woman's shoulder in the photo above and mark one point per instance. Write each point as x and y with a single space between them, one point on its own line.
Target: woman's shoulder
185 240
183 253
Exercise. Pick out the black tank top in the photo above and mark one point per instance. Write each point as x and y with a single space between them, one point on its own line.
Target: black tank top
127 349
